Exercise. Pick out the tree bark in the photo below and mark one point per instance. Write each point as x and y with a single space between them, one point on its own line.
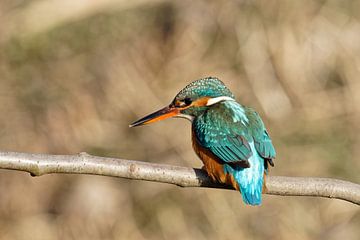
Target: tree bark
83 163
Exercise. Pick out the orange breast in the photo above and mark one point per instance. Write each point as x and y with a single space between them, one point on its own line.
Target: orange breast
212 164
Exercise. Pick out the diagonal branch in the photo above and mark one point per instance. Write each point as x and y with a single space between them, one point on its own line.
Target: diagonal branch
40 164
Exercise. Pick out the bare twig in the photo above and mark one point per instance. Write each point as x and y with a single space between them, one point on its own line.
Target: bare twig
40 164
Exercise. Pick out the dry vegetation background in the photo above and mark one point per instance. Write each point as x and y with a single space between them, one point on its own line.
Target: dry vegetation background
74 74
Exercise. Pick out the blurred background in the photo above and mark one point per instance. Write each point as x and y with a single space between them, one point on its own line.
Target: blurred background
75 73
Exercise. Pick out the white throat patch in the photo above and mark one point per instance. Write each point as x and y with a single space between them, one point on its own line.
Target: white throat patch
188 117
212 101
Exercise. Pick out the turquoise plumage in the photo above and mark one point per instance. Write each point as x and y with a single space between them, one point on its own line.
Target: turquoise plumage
238 137
229 138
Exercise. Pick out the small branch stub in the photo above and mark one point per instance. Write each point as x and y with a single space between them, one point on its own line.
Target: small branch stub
83 163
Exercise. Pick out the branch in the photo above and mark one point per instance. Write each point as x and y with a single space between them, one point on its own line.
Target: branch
83 163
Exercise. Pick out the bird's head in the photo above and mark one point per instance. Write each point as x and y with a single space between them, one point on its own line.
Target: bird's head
191 101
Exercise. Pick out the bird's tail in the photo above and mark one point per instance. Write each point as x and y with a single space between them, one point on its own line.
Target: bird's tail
250 179
251 189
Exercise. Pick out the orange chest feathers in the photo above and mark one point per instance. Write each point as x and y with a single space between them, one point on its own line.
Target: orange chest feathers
212 164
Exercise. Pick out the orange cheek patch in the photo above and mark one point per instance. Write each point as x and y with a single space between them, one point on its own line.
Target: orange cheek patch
201 102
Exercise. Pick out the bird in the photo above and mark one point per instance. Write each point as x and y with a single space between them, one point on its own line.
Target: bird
229 138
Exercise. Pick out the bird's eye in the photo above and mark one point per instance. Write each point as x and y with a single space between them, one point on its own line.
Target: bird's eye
182 103
187 101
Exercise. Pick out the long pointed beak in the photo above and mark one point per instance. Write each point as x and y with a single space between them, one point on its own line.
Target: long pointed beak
162 114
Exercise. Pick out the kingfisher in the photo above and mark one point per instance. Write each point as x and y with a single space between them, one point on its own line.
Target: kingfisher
229 138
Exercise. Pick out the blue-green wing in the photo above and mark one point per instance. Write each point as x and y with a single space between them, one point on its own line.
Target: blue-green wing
262 140
227 139
264 146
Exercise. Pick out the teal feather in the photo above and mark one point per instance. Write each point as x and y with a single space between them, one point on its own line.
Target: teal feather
249 179
263 143
237 136
210 87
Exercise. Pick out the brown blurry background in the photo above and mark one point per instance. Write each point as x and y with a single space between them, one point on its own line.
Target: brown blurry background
75 73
